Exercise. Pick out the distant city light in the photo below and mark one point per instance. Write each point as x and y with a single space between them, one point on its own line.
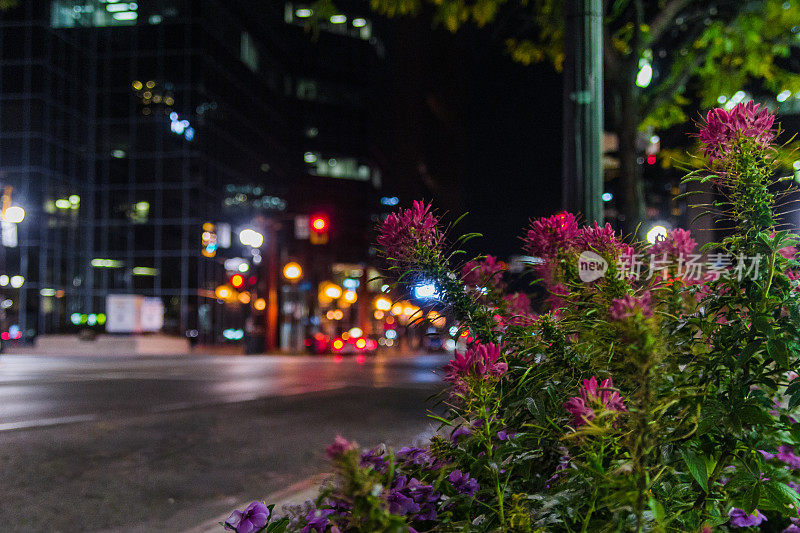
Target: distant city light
338 19
118 154
385 288
244 297
722 99
233 334
3 280
391 334
91 319
656 234
63 203
126 15
390 200
383 304
17 281
333 291
783 96
350 296
116 8
645 75
74 199
75 318
144 271
425 291
310 157
14 214
303 13
359 23
250 237
735 99
655 139
350 283
607 196
47 292
292 271
105 263
356 332
260 304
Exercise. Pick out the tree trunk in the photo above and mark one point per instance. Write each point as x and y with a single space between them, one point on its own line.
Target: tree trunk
626 121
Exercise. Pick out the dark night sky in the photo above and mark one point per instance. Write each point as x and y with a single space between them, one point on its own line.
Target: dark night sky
474 131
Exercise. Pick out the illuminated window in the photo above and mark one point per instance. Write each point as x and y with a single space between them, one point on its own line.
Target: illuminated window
249 53
340 167
85 13
299 13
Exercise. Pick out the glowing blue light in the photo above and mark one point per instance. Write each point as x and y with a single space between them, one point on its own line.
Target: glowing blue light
391 334
425 291
350 283
390 200
607 196
188 134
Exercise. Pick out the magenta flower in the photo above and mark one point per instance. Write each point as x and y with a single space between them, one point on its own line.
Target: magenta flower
253 518
678 243
789 252
582 407
547 236
622 308
601 239
486 272
480 361
339 447
738 518
403 233
745 120
463 483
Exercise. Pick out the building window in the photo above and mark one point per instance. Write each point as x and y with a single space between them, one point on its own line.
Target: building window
340 167
299 14
84 13
249 52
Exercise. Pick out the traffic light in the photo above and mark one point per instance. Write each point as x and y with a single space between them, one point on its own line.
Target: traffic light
319 229
209 240
237 281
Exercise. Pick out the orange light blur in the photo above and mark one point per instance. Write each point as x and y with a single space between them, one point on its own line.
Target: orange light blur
237 280
378 315
361 344
338 344
244 297
223 292
260 304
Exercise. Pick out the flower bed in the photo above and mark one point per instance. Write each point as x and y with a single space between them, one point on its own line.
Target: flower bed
654 393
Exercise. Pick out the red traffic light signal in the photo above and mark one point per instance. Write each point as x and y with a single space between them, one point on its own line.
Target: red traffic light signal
237 280
319 223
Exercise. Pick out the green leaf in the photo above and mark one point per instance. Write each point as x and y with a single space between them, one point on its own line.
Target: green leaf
747 352
794 401
697 467
751 498
777 350
762 323
754 414
781 496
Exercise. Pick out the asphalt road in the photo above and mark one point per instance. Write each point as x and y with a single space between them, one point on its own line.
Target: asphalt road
151 443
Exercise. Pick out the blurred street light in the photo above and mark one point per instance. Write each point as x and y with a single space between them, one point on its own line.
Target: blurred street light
292 271
251 237
14 214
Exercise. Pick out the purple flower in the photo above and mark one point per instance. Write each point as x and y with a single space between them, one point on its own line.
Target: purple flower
504 435
461 431
738 518
786 454
253 518
405 232
582 408
548 236
339 447
463 483
317 520
375 459
412 498
415 456
744 120
622 308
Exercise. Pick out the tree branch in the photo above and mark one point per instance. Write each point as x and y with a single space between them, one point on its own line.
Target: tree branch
665 18
667 89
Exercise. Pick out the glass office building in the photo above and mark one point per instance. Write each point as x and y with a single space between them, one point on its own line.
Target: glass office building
125 127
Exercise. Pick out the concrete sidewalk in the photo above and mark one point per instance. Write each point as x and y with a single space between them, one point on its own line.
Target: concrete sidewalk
298 493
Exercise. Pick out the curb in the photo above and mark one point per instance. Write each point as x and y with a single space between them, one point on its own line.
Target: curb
298 493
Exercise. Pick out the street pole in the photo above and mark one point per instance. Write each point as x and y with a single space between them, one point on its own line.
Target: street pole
583 109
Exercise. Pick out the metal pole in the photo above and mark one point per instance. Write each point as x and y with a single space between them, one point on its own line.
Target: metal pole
583 109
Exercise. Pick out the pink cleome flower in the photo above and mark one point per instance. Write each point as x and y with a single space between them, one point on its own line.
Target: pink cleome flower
744 120
591 396
339 447
402 233
480 361
622 308
485 272
547 236
678 243
602 239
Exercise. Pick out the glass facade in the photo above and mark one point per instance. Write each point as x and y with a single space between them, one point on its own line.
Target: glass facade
125 127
